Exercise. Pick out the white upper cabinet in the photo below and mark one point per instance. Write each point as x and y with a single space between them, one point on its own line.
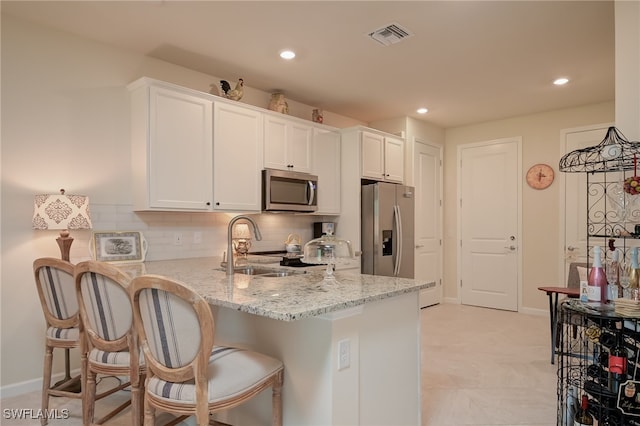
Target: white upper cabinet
372 155
382 157
326 165
366 154
287 144
393 159
192 151
237 158
171 133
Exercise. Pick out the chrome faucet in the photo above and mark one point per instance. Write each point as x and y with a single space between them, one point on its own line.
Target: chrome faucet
256 231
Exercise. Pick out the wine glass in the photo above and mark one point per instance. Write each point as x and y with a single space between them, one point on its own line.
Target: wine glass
612 278
625 279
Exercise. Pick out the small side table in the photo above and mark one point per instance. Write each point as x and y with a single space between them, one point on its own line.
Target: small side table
553 293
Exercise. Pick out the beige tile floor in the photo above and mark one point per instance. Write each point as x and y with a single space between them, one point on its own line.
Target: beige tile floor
479 367
486 367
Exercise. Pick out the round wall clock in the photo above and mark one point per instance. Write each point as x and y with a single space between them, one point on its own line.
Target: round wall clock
540 176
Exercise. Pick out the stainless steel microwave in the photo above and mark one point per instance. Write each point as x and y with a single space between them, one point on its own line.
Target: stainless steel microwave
288 191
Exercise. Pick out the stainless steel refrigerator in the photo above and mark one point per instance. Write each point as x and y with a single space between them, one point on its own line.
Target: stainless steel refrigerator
388 230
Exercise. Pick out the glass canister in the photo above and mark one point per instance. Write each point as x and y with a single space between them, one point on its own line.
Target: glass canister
328 250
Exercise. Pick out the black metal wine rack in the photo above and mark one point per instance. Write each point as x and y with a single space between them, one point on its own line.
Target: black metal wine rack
585 335
612 212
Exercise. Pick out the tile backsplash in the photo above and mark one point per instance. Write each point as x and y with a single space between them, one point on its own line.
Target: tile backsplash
202 234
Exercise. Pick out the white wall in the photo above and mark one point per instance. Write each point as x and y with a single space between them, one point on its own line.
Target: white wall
65 124
627 15
540 209
412 130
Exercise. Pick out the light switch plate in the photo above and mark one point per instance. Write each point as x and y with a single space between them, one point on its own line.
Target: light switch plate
344 354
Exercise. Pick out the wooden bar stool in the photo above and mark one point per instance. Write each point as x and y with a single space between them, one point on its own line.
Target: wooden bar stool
55 285
107 336
186 374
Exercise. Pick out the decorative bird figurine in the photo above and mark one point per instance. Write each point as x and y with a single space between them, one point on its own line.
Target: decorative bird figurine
235 94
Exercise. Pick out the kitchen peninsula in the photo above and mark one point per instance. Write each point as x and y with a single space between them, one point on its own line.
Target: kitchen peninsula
351 350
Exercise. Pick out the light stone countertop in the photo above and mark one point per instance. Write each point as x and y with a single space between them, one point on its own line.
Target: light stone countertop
289 298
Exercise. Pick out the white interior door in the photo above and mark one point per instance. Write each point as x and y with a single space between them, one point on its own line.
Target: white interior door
428 220
490 220
574 194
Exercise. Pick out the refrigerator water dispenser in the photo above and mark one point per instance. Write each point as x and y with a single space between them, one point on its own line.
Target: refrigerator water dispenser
387 242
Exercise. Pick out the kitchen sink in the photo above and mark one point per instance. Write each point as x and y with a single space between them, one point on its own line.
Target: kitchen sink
252 270
266 272
278 274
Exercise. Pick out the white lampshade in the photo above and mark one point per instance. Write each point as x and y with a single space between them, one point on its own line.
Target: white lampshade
61 211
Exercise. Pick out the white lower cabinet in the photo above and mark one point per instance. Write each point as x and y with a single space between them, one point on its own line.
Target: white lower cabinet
171 133
237 158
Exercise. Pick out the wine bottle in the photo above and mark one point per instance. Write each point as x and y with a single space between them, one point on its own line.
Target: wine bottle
571 405
634 270
617 361
597 281
582 416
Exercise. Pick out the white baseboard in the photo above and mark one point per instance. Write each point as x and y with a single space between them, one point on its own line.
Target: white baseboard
33 385
535 311
528 311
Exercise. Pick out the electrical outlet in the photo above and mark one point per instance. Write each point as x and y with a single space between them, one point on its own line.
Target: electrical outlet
344 354
177 238
197 237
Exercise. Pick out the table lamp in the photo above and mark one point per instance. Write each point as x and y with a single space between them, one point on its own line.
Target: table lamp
241 238
62 212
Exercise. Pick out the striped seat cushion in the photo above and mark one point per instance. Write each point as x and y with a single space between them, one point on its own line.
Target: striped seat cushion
64 334
107 305
171 326
58 289
231 372
111 358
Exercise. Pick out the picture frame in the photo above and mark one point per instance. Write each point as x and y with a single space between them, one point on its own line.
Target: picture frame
119 247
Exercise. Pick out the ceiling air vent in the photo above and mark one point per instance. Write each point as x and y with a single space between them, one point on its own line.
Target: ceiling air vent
390 34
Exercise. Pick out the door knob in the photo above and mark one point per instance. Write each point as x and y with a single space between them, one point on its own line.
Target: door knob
571 248
420 246
512 248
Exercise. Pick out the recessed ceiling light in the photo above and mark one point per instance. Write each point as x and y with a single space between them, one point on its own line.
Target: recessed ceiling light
561 81
422 110
287 54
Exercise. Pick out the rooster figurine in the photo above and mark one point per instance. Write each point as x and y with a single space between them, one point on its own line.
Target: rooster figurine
235 94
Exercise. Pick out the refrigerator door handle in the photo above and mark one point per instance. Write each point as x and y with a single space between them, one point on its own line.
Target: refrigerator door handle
398 237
